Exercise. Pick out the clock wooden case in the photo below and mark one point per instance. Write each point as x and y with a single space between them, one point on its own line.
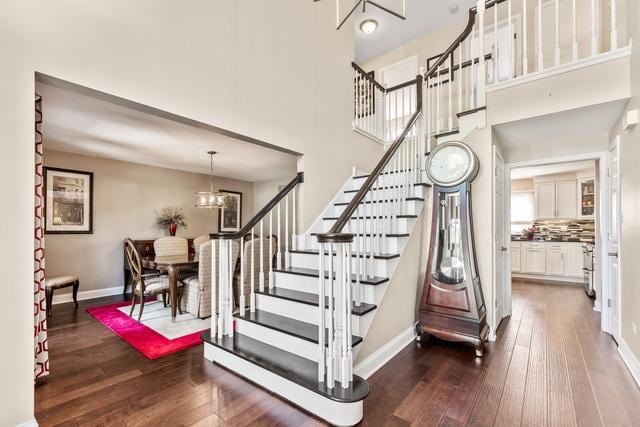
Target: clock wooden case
452 305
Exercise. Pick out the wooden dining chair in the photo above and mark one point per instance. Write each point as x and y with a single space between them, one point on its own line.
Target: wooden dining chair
145 285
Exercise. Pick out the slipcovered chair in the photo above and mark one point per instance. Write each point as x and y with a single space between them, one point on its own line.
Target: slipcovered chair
145 285
199 241
171 246
246 261
197 289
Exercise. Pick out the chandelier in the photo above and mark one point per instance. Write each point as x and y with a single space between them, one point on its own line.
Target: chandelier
210 199
340 21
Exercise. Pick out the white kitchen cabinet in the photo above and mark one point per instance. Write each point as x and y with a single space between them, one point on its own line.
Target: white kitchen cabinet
533 258
516 257
545 200
566 196
556 256
574 260
586 197
556 199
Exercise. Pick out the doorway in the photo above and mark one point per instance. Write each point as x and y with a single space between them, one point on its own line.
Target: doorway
611 293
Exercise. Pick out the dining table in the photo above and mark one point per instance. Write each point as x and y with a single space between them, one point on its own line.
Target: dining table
172 265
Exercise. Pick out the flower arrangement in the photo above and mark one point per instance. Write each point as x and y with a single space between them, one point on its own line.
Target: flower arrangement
529 232
171 217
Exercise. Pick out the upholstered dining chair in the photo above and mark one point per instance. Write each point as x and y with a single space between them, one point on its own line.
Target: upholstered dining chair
198 241
171 246
197 289
246 261
145 285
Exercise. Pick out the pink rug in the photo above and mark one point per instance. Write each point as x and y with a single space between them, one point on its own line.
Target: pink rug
144 339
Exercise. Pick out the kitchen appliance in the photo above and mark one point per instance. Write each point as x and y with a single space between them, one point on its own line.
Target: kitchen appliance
588 268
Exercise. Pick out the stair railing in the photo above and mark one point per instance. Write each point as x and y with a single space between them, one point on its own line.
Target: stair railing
379 112
272 218
457 78
347 250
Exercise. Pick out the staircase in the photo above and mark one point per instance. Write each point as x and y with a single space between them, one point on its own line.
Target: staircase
312 296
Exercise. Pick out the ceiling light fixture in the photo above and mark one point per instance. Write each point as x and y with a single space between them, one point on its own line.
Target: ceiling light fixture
368 26
453 9
340 21
210 199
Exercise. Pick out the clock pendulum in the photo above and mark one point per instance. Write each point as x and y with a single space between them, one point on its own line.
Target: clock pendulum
452 306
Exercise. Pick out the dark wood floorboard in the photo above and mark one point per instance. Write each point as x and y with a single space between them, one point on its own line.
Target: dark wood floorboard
551 365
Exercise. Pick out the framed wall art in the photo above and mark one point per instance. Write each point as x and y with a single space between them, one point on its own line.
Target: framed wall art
68 201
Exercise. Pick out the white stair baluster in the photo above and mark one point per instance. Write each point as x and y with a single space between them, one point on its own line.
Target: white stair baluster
496 41
512 60
358 260
261 273
242 301
594 29
438 83
271 275
252 269
481 77
449 92
321 312
574 31
557 44
330 326
221 291
287 261
215 289
294 218
229 280
614 26
348 326
344 283
460 96
279 251
540 50
525 48
473 74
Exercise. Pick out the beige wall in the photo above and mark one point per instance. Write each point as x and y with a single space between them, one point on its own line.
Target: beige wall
525 184
126 198
630 199
276 70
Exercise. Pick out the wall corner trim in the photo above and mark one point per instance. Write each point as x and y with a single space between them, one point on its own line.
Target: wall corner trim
630 360
30 423
377 360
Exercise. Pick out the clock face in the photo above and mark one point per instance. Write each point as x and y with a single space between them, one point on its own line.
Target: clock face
450 164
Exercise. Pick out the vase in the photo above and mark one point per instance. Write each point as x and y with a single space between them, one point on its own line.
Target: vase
172 230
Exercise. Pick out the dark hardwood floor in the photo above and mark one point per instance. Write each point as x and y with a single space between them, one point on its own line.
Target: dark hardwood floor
551 365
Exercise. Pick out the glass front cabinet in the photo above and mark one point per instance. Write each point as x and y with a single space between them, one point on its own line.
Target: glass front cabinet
586 198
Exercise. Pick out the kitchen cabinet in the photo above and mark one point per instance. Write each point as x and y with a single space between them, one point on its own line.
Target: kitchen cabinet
557 199
556 255
586 198
516 257
534 258
574 260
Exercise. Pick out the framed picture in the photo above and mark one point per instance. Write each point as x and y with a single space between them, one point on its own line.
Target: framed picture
230 218
68 201
365 99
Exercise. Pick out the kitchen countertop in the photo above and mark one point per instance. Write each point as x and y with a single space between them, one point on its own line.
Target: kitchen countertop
568 240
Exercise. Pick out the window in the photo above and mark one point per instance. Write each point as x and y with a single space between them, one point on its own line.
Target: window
522 210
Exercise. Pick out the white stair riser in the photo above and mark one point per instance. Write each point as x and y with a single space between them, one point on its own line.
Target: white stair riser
398 225
299 311
386 179
388 193
385 244
337 413
379 267
281 340
409 207
370 294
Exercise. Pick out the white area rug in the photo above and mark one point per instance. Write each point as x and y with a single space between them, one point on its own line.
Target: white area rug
158 317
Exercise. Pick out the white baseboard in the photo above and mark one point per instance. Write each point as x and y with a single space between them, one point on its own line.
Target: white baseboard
30 423
371 364
597 306
630 360
60 298
560 279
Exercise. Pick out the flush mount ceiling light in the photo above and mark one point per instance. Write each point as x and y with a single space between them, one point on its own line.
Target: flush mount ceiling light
210 199
340 21
368 26
453 9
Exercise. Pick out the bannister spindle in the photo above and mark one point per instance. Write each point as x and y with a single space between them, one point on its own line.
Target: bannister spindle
271 275
358 261
494 58
345 282
438 82
473 73
348 365
482 66
614 26
215 290
279 254
594 29
429 110
540 51
252 270
242 296
512 60
450 107
229 280
525 48
460 78
330 326
287 262
557 44
574 31
261 274
321 318
294 220
221 291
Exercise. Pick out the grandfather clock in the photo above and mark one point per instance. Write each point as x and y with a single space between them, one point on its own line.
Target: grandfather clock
452 305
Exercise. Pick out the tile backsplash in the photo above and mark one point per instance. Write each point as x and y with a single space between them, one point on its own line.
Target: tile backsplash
585 230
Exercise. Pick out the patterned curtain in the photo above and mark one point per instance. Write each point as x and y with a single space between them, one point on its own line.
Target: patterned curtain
41 350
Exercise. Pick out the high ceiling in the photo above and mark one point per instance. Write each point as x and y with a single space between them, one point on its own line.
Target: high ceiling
423 16
74 121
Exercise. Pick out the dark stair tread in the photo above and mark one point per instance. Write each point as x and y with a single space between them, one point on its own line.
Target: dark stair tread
410 199
330 218
384 173
312 299
369 235
417 184
310 272
316 252
292 367
443 134
289 326
473 110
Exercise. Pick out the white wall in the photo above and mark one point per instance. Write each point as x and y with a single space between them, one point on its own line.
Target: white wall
276 70
126 197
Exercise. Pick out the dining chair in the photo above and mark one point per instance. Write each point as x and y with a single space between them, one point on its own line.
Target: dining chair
171 246
197 289
199 241
145 285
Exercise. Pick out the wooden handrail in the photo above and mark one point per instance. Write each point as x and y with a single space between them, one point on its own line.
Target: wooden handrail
377 84
260 215
335 232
